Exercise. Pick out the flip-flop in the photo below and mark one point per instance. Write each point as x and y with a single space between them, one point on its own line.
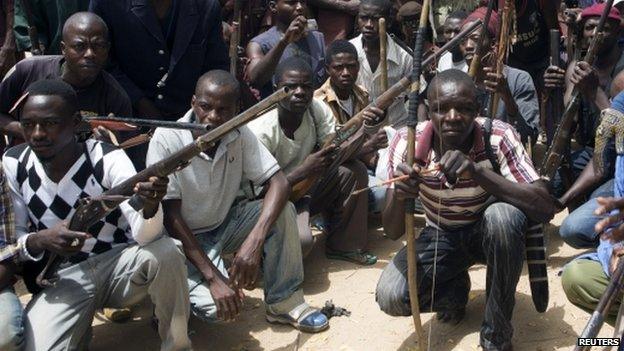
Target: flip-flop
363 258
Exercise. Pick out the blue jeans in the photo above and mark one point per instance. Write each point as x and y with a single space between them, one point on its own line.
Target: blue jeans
497 240
11 326
577 230
282 263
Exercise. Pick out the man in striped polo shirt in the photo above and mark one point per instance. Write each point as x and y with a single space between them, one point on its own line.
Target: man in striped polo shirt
474 214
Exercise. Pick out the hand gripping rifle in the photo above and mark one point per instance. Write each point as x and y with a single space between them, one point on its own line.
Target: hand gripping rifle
561 139
412 120
501 52
347 131
475 64
91 210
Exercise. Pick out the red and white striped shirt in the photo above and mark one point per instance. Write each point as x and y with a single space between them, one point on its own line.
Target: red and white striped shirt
464 204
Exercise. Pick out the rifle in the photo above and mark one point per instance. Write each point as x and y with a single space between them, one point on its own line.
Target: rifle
561 139
501 52
235 37
33 34
384 100
346 131
412 121
383 54
551 101
130 124
91 210
476 59
604 305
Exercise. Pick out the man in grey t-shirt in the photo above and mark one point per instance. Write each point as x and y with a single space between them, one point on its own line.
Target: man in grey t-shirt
200 210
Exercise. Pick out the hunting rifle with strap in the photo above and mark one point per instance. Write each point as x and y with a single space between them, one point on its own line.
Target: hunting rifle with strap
91 210
347 131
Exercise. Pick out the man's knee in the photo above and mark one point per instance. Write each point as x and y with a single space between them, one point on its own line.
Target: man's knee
11 338
163 251
576 282
570 232
504 222
391 293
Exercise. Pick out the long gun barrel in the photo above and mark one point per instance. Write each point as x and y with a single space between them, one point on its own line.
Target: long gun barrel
383 54
384 100
92 210
555 95
132 123
33 35
561 139
475 64
235 37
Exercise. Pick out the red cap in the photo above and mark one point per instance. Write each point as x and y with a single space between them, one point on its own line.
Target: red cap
596 11
479 14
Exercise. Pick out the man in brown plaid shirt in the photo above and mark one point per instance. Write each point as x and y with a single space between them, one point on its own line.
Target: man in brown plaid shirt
10 307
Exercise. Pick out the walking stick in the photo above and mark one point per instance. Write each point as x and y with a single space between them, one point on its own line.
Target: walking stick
383 54
412 120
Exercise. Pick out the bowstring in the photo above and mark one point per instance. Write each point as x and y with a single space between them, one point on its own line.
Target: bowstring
437 235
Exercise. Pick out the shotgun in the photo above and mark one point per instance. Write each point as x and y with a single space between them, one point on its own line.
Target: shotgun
91 210
410 234
501 53
561 139
129 124
552 100
475 64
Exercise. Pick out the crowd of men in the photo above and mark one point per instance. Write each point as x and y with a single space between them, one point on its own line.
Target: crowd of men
235 214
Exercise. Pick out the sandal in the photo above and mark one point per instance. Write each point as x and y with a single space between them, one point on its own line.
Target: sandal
303 317
363 258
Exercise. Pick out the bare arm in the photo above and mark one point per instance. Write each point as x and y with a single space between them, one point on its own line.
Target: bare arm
589 179
10 126
531 198
393 215
261 67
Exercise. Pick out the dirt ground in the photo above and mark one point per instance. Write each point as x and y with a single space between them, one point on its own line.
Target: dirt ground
353 287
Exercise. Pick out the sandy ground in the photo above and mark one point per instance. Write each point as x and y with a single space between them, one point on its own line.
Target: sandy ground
353 287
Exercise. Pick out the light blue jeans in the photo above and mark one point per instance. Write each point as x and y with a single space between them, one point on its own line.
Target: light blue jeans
577 230
11 316
282 263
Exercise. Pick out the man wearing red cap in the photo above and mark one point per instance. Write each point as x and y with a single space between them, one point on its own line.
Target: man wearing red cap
594 83
518 99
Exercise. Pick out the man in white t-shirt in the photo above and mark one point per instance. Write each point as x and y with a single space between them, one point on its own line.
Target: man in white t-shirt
453 59
200 210
291 132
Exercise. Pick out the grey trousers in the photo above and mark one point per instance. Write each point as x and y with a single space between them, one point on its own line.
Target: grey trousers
11 328
497 240
60 317
282 264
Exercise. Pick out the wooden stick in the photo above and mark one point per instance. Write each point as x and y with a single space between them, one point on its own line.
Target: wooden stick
383 54
503 41
410 234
